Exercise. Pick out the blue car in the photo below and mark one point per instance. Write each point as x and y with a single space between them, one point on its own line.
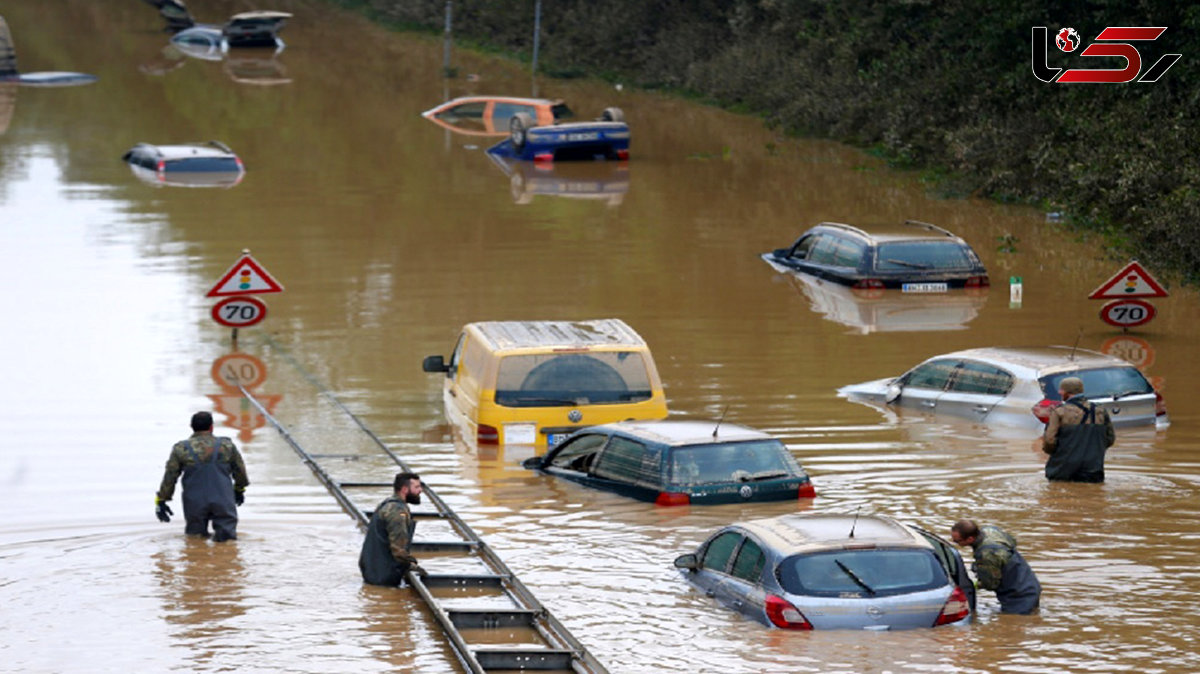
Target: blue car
605 138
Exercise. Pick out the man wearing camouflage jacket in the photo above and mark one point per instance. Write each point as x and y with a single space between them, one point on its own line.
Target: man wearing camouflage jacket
214 481
999 567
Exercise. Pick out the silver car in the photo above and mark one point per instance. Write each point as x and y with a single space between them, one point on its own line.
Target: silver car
1016 386
833 571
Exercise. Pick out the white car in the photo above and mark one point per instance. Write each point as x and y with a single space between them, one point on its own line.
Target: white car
1016 386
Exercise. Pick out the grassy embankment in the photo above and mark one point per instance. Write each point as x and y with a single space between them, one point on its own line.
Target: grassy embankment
944 88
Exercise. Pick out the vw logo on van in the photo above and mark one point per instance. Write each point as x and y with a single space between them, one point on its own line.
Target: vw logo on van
575 416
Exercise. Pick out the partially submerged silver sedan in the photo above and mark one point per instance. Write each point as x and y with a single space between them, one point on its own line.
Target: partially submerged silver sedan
1016 386
833 571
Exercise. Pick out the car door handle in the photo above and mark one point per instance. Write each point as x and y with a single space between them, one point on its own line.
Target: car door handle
929 403
710 593
982 409
737 604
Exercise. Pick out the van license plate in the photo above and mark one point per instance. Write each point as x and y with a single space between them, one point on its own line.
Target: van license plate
923 288
520 434
552 439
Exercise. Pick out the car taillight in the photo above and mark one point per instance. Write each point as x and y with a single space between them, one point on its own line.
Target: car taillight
782 614
807 490
1160 405
487 435
545 156
162 166
978 282
672 498
956 608
240 165
622 154
1043 409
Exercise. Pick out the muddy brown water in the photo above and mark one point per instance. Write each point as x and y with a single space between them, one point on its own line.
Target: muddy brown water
390 233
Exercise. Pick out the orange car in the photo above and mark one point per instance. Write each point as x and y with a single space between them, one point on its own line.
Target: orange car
490 115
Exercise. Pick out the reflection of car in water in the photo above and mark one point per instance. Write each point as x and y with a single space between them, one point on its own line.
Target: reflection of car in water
210 164
490 115
601 181
10 73
832 571
1008 385
528 139
679 463
870 310
535 382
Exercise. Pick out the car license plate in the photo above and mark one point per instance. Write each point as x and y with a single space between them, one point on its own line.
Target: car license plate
923 288
552 439
520 434
577 137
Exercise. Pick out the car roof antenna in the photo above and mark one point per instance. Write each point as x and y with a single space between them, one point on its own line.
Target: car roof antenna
1076 344
855 523
718 426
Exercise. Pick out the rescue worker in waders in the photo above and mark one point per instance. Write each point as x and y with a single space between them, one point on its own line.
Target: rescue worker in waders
999 567
385 559
214 482
1077 436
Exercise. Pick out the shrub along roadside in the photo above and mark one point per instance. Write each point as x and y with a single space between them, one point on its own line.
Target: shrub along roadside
925 83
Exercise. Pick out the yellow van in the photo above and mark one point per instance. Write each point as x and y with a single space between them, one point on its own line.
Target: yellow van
534 382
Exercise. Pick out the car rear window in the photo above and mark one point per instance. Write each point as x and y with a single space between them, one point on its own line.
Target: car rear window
558 379
866 572
922 255
731 462
1100 382
202 164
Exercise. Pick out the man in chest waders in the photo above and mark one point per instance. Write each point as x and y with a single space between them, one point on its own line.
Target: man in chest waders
1077 436
214 481
385 559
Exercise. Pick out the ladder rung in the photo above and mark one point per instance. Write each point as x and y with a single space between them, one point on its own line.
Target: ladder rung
491 617
442 546
524 658
453 579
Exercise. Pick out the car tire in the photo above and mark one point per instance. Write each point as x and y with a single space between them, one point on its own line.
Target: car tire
612 115
518 128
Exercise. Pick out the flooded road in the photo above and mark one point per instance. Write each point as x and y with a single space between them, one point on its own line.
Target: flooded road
389 233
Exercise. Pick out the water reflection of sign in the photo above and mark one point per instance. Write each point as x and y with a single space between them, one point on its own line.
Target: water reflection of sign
239 312
1133 349
243 415
238 368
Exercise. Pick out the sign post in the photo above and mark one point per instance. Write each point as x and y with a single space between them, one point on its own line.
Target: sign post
238 310
1124 289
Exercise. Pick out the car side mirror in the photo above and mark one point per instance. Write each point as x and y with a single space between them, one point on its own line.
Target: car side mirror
532 463
892 394
688 562
435 364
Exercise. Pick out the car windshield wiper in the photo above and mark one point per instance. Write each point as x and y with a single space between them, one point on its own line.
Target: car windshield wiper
905 263
854 577
768 475
551 401
1122 394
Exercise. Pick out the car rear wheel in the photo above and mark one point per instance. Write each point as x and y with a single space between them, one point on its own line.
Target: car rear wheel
517 128
612 115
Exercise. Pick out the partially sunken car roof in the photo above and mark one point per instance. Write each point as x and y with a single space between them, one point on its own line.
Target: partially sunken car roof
796 533
209 149
1040 359
687 432
511 335
499 99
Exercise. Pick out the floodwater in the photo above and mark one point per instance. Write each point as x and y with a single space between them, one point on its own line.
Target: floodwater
388 234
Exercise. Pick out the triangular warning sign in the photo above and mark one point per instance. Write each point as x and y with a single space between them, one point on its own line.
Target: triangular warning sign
246 277
1132 281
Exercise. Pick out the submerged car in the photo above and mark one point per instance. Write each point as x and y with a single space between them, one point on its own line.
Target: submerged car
210 164
679 462
832 571
535 382
1016 386
528 139
914 257
259 28
491 115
